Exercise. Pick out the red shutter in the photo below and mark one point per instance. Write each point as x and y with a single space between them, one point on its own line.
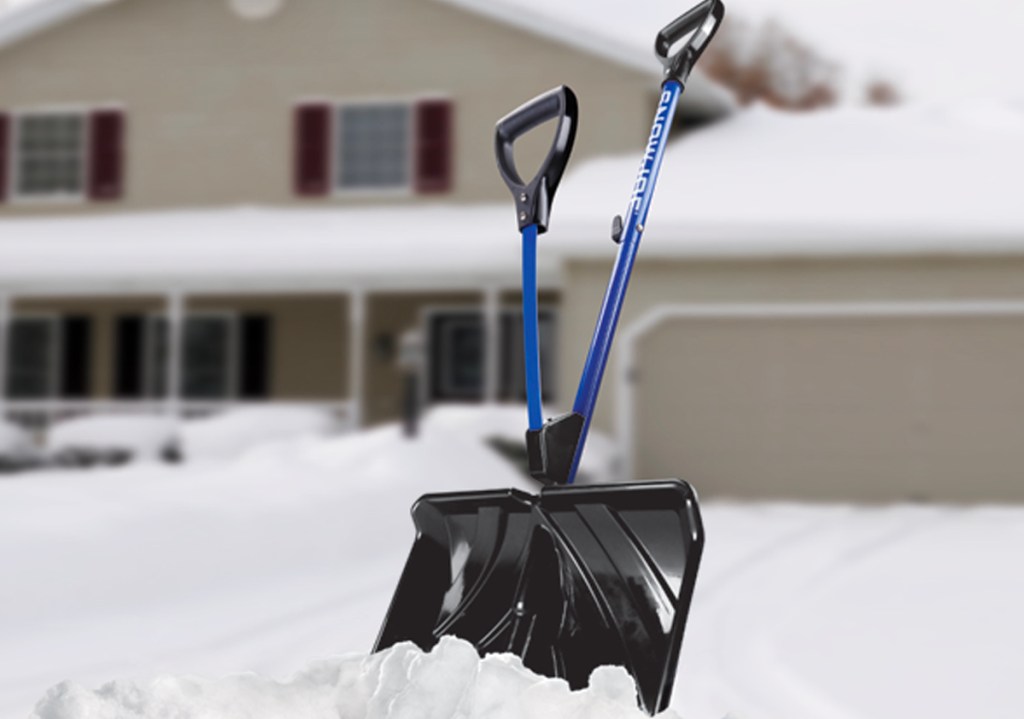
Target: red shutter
312 149
4 135
434 146
106 155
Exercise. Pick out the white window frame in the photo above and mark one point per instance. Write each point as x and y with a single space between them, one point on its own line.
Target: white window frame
53 374
14 155
150 367
431 312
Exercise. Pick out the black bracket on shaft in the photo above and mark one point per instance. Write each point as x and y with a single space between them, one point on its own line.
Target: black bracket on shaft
533 199
700 23
552 448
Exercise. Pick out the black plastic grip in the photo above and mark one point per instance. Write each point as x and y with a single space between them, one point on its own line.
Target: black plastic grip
703 21
533 199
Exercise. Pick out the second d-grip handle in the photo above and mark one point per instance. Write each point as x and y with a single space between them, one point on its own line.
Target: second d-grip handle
533 199
700 23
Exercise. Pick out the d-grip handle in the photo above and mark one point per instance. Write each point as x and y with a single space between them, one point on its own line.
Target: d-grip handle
533 199
703 21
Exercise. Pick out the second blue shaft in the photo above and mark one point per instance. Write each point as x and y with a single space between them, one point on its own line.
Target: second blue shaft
635 219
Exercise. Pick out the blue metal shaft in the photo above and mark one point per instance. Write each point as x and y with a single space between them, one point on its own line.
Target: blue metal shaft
531 328
635 219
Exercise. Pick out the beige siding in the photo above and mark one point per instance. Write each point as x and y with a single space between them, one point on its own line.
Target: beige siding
840 280
209 96
862 408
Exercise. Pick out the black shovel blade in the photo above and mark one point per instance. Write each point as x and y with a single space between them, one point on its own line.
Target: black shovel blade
571 579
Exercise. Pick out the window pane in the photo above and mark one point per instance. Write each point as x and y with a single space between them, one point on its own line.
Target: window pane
206 355
49 154
30 358
373 146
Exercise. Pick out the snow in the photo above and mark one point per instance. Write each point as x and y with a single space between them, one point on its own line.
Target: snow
601 463
289 555
917 180
450 682
939 179
932 51
139 437
15 442
230 434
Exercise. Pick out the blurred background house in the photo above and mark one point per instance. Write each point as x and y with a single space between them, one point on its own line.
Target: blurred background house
210 204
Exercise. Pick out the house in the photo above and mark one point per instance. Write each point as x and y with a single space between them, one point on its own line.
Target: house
826 306
336 114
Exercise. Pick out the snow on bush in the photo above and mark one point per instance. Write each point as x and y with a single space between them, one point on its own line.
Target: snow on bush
232 433
16 447
110 438
450 682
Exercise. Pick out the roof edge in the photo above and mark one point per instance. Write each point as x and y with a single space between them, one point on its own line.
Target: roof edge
25 21
701 90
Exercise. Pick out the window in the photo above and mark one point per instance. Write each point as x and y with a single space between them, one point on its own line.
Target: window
62 155
457 355
373 143
32 358
50 155
403 146
208 350
224 356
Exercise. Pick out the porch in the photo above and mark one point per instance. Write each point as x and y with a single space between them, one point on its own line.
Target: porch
196 351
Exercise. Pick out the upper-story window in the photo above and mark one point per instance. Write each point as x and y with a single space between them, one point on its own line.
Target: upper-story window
61 155
50 155
374 147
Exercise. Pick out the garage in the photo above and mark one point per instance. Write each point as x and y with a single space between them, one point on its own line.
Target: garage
852 401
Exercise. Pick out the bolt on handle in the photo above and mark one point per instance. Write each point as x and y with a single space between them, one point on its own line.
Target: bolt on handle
533 199
702 21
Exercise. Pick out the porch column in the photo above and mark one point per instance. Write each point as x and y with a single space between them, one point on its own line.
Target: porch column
175 311
5 325
492 338
356 353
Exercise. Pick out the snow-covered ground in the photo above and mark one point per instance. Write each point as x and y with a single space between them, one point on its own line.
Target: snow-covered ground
289 555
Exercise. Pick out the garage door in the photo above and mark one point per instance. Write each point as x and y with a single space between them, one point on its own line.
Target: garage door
872 407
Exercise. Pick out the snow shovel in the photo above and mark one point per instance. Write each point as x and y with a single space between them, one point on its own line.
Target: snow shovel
581 576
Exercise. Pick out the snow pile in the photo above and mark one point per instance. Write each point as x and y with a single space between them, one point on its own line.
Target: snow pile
601 462
13 439
16 446
232 433
450 682
122 436
840 181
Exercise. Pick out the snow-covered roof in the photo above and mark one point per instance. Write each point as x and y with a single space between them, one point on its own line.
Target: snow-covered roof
917 179
28 17
853 182
931 49
296 249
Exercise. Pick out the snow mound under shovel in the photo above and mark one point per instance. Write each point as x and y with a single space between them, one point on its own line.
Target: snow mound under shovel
450 682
